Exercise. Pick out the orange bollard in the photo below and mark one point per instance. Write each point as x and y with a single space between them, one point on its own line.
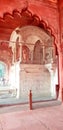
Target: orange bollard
30 100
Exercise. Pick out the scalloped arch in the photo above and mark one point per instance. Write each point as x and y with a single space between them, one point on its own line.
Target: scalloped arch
25 17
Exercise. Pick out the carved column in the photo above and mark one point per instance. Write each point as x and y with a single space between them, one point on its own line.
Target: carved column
20 59
52 73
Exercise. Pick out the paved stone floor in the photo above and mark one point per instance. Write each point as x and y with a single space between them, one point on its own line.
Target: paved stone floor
19 117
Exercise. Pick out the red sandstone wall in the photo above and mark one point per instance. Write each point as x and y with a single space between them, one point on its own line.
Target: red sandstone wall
60 7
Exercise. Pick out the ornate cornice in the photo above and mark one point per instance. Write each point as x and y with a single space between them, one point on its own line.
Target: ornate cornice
9 21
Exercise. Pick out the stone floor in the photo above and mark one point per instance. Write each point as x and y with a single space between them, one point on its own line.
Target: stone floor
44 116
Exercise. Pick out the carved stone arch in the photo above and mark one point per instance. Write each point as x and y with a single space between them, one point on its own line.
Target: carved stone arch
25 54
38 53
25 17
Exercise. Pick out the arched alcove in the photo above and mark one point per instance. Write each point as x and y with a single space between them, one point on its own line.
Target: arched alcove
25 54
37 54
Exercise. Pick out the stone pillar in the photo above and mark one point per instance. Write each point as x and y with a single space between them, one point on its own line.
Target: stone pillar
17 79
20 53
51 70
31 53
43 54
53 90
